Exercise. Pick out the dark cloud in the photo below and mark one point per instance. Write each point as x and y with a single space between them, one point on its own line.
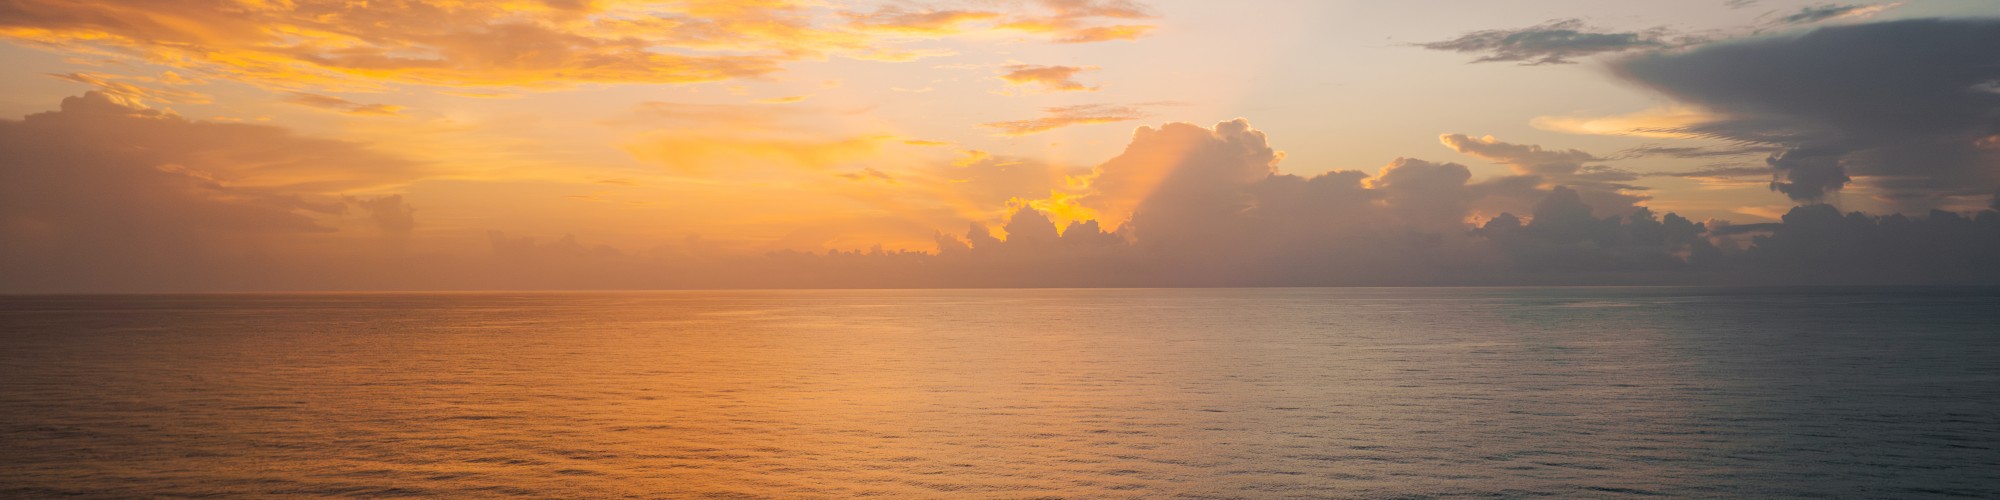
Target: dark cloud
1908 107
1825 12
1819 244
1650 151
1563 236
1720 172
1554 42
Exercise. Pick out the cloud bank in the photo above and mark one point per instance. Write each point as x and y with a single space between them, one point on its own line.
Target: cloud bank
104 196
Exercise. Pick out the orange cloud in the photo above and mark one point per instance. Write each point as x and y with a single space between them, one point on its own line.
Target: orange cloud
783 100
896 19
1670 122
1063 116
359 45
332 103
1053 78
867 174
699 154
1105 33
132 94
1073 21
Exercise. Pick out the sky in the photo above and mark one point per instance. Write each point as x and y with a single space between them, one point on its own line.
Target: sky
221 145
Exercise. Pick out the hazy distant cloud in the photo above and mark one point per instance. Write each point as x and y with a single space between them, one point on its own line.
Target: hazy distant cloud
869 173
1062 116
1554 42
1052 78
790 99
667 114
389 213
702 154
332 103
1738 4
133 94
701 139
1907 106
103 194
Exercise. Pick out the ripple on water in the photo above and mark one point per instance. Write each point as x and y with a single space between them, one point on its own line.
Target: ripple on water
1303 393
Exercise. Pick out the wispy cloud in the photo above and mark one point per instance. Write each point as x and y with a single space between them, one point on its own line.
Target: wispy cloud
1063 116
332 103
1828 12
115 87
1051 78
1554 42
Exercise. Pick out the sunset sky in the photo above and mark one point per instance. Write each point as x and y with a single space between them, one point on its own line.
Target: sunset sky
305 144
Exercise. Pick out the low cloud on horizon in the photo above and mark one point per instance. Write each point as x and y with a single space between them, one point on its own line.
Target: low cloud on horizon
752 146
1207 207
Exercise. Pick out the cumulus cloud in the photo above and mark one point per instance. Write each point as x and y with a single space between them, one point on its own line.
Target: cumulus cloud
1051 78
1208 207
1902 106
1056 117
1182 205
1819 244
1606 188
1554 42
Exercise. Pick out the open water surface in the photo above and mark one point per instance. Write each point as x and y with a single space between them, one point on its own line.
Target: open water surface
1269 393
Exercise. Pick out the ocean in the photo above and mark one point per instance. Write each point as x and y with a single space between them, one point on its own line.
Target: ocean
1080 393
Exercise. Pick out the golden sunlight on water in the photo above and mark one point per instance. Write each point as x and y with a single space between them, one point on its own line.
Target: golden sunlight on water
1018 393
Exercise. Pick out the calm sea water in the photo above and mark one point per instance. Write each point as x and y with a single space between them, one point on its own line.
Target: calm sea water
1007 393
